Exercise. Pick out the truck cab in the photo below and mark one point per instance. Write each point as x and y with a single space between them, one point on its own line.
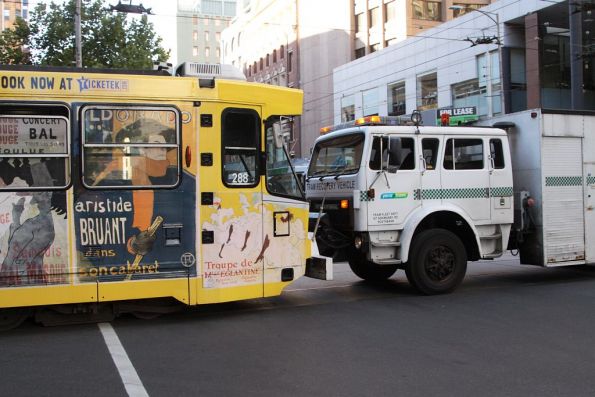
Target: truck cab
388 196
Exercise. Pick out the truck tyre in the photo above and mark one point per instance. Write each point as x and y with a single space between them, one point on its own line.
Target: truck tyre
437 262
367 270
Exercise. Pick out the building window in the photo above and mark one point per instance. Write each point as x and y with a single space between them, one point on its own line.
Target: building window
282 52
360 52
268 60
466 8
390 11
489 73
205 21
468 93
396 99
427 91
427 10
195 20
207 36
274 56
374 17
391 41
360 22
195 51
207 52
6 15
218 52
347 108
370 102
218 36
261 64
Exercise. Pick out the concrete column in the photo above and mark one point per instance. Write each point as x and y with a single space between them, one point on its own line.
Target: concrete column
532 61
576 60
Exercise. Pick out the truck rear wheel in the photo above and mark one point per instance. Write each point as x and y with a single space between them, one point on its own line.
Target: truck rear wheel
437 262
368 270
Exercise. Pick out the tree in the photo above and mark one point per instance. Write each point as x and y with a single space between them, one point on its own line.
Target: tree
108 40
13 44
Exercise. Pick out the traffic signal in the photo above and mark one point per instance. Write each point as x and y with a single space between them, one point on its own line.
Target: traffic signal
445 119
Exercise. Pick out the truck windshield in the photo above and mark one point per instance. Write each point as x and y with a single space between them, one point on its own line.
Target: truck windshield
341 155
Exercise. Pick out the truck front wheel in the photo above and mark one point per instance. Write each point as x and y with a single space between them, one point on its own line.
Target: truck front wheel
437 262
367 270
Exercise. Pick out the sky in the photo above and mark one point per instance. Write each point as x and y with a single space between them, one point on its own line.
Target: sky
164 19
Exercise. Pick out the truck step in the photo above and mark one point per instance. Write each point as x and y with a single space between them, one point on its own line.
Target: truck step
386 243
495 236
388 261
492 255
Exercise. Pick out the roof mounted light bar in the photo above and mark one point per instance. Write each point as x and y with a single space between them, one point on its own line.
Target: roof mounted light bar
370 120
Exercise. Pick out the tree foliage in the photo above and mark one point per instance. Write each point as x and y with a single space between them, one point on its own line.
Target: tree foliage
109 40
13 44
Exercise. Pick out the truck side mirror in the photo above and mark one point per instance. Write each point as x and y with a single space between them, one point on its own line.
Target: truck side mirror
395 149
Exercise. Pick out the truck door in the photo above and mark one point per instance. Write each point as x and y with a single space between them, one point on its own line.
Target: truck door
590 211
500 180
563 200
394 194
465 176
589 174
431 184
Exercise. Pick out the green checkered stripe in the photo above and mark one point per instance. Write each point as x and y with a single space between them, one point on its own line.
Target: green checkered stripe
563 181
469 193
363 196
501 191
591 180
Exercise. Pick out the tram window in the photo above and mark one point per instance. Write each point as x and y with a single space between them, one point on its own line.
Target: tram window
241 144
130 147
35 150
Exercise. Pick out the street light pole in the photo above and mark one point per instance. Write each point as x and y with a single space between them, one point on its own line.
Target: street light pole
495 17
78 51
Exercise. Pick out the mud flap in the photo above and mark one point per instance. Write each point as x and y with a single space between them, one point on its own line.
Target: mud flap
320 268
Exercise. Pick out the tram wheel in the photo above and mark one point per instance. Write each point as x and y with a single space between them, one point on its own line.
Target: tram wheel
13 317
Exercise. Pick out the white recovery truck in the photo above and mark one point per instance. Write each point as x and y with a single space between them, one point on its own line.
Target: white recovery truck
429 199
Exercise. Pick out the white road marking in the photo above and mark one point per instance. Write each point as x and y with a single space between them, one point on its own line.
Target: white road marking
130 378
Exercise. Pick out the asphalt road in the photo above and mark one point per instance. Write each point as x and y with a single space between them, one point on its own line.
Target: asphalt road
509 330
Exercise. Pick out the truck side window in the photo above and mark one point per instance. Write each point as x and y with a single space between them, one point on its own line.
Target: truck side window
497 153
375 158
430 152
463 154
240 138
408 153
